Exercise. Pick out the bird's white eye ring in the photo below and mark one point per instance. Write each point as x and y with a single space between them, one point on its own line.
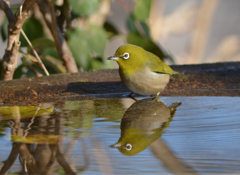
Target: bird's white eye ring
126 55
128 146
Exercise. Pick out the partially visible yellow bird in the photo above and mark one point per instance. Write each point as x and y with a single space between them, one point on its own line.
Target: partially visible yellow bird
141 71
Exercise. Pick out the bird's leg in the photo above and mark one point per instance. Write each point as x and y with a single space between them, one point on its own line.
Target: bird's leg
157 97
130 95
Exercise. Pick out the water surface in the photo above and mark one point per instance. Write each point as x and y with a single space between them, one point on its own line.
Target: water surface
200 136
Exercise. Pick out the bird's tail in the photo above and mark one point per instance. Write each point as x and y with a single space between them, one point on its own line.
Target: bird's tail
173 107
175 72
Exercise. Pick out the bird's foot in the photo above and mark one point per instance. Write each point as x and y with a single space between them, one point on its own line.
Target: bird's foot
130 95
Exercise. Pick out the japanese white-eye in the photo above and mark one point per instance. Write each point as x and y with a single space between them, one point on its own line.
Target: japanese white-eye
142 124
141 71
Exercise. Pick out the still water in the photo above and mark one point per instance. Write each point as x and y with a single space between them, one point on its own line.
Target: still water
188 135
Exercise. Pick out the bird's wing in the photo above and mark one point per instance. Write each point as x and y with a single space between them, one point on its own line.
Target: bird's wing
158 66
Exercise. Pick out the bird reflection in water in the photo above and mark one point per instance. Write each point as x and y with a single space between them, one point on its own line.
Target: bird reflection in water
142 124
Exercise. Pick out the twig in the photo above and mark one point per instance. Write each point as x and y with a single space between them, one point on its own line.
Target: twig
38 74
35 53
47 9
32 121
20 9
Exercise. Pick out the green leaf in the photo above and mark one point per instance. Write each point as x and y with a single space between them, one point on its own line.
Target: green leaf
97 40
85 8
51 52
41 43
11 112
54 64
109 110
146 29
147 44
33 29
87 44
4 29
77 108
18 72
78 44
30 74
37 138
131 25
142 9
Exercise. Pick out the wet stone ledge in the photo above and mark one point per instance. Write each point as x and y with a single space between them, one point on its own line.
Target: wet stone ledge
220 79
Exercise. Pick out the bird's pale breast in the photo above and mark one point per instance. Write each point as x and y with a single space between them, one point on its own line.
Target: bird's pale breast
146 82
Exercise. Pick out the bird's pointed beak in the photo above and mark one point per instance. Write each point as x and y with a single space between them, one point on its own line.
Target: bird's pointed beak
116 145
112 58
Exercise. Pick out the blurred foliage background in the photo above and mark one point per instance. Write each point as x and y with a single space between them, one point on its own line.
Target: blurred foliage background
91 36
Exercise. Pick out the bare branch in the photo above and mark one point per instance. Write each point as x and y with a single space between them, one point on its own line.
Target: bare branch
62 161
28 161
5 7
47 9
10 58
11 159
15 25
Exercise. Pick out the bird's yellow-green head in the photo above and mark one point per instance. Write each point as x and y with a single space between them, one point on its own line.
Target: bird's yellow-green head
133 141
132 58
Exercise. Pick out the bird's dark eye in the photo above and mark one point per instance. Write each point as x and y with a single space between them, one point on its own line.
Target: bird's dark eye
128 146
126 55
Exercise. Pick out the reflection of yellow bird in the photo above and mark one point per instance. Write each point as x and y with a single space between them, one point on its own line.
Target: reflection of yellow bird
142 72
142 124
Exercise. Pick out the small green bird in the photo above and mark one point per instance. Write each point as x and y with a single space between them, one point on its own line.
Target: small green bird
141 71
